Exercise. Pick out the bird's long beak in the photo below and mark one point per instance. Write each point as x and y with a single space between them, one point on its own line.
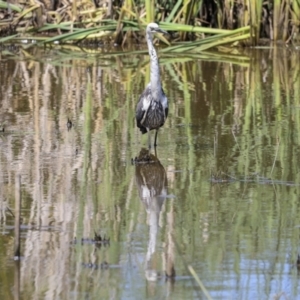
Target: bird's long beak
161 31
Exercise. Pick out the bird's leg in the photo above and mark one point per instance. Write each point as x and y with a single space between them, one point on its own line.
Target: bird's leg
149 139
155 153
155 138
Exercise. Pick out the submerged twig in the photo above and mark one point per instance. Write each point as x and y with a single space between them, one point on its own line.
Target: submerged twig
17 217
203 288
278 143
185 264
235 139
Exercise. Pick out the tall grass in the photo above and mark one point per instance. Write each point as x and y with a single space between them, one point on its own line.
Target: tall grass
82 20
255 7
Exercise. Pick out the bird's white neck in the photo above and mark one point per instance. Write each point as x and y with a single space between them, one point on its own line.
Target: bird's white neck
156 88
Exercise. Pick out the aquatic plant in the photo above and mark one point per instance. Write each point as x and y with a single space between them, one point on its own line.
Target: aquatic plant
122 22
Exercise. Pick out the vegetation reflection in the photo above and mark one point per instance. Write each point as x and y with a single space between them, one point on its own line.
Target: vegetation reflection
229 153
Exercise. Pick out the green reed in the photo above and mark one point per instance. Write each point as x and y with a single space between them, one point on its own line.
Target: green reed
190 20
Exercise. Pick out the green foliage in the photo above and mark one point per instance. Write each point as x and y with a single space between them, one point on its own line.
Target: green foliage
87 20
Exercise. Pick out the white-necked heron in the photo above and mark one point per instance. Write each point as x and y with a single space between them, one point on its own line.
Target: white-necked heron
152 108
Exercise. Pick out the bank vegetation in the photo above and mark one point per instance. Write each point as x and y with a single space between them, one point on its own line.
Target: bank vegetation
204 23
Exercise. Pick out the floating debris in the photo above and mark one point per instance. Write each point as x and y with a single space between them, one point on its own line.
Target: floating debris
144 160
69 124
103 265
98 241
225 178
171 274
101 240
145 157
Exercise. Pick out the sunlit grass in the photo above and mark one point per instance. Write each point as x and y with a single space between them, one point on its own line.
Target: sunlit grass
83 20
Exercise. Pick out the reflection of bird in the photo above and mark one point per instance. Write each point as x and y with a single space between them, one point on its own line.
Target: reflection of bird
152 182
152 108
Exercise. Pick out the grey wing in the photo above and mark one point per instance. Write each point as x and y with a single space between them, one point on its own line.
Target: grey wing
139 115
166 111
140 111
165 105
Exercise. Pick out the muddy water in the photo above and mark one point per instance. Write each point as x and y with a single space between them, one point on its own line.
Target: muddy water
220 197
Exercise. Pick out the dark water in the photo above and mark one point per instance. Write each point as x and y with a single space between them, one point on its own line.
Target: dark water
222 199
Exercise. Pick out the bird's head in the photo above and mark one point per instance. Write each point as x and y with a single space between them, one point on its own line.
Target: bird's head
153 27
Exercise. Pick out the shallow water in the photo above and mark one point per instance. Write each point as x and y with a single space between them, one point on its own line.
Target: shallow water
223 198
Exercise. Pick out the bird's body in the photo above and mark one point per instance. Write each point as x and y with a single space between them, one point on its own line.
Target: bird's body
152 108
151 112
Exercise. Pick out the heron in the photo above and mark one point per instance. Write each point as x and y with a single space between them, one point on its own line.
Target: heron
152 108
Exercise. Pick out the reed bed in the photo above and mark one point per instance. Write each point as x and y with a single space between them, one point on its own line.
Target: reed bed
205 24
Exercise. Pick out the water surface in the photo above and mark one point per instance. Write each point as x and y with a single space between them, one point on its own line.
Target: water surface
223 196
